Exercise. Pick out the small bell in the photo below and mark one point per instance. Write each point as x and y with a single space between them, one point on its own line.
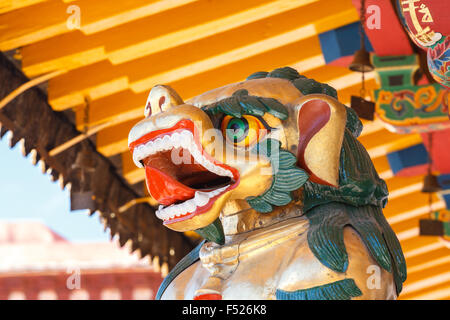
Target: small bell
81 195
430 184
84 160
361 61
363 108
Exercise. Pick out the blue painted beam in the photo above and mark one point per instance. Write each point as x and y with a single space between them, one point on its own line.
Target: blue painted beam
410 158
342 43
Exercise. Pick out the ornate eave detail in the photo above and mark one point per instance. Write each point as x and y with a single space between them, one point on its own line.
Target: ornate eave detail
29 117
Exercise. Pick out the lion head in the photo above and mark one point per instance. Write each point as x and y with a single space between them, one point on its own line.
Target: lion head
269 143
256 141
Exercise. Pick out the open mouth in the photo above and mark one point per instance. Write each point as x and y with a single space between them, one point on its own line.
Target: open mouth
180 175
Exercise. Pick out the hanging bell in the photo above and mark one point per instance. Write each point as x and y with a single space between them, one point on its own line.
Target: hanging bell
84 160
430 184
363 108
361 61
81 195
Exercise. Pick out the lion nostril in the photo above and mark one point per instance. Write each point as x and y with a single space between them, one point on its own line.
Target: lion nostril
162 100
148 110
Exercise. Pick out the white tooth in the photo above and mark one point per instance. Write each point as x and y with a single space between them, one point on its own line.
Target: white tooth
157 144
185 143
191 206
217 191
216 170
138 152
201 198
136 161
176 140
151 149
209 166
160 214
186 135
186 139
166 143
173 211
142 151
196 155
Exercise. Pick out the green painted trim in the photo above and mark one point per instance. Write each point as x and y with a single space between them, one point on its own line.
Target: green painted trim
354 125
326 237
287 177
446 228
182 265
213 232
357 202
303 84
359 183
380 62
339 290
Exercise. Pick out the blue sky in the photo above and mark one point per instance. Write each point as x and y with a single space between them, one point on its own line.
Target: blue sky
26 193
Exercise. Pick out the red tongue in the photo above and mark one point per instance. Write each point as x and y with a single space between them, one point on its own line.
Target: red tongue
165 189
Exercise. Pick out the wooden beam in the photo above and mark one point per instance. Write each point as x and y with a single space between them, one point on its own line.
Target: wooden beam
106 79
428 263
130 172
384 141
33 23
408 234
417 277
371 126
439 278
404 212
420 245
109 141
408 229
438 292
400 186
412 210
197 57
49 19
382 166
11 5
419 262
105 15
135 39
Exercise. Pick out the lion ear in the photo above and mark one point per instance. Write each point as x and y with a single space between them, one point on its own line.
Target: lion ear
160 99
321 124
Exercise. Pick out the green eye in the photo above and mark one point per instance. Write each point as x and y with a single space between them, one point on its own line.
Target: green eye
244 131
237 129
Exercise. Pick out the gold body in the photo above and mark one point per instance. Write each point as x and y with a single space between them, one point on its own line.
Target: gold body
254 264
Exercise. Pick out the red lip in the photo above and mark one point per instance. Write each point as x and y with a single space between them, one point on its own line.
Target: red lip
166 182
